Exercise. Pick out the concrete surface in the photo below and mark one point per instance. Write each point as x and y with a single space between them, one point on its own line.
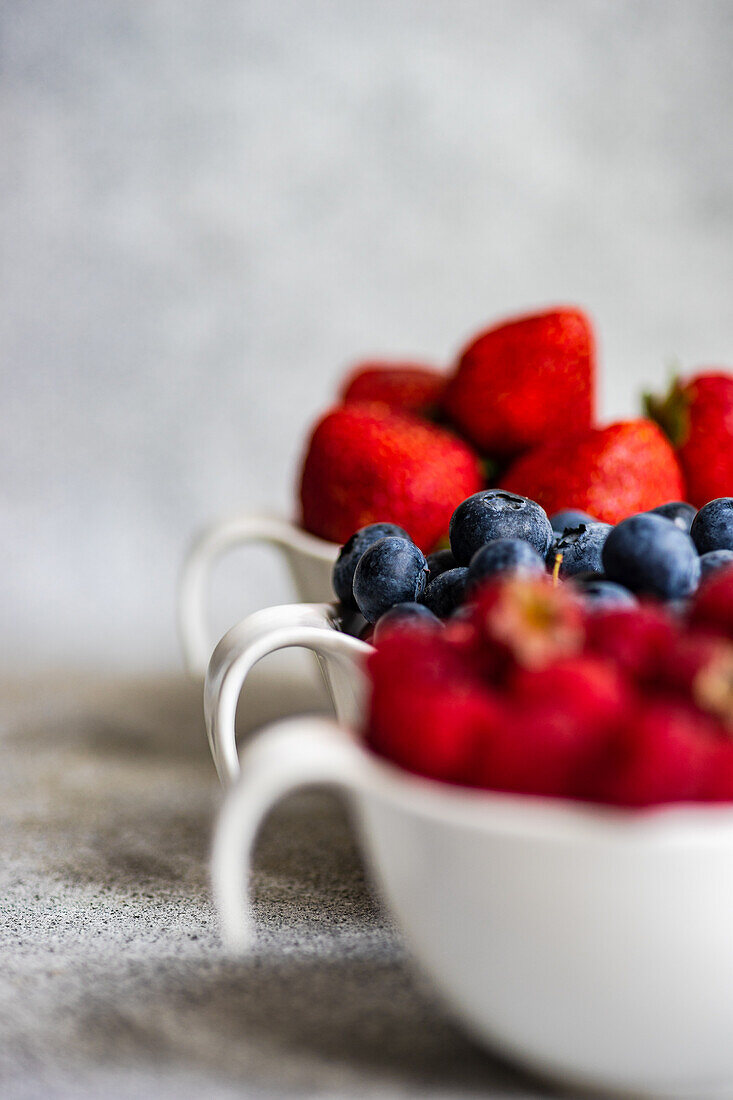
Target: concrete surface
113 981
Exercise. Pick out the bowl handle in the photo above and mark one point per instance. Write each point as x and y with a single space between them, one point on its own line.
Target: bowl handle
308 626
292 753
208 547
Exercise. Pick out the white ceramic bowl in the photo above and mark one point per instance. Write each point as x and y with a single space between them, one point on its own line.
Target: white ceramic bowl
593 945
308 558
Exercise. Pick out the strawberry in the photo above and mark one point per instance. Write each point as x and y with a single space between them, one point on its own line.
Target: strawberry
609 472
406 387
697 415
365 465
521 382
712 606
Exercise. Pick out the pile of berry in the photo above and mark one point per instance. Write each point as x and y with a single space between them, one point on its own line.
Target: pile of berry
584 653
382 574
536 691
516 410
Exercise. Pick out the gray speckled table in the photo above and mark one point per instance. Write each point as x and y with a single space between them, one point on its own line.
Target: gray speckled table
113 980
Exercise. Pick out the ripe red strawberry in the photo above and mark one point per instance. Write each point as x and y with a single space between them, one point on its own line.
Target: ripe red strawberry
522 382
636 639
697 415
712 606
609 472
424 713
561 718
365 465
664 752
406 387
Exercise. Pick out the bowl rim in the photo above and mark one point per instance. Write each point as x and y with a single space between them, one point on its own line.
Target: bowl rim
546 817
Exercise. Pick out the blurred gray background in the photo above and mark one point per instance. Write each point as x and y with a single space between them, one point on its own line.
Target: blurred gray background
208 210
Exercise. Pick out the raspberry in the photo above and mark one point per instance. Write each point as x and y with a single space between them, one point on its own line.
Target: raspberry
634 637
664 753
529 620
719 784
699 666
712 607
436 733
561 718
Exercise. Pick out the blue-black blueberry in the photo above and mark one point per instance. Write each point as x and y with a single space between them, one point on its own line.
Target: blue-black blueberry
713 561
503 556
581 548
649 554
392 570
601 594
712 527
440 562
495 514
678 511
344 567
569 517
446 591
410 612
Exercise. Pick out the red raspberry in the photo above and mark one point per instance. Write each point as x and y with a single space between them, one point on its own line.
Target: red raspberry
665 752
699 666
531 621
426 712
409 650
719 784
561 718
636 638
712 607
428 708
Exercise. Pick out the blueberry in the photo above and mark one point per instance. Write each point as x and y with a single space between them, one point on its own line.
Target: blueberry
503 556
712 527
581 548
496 514
713 561
342 577
680 513
409 612
602 594
440 562
569 517
392 570
649 554
351 622
447 591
